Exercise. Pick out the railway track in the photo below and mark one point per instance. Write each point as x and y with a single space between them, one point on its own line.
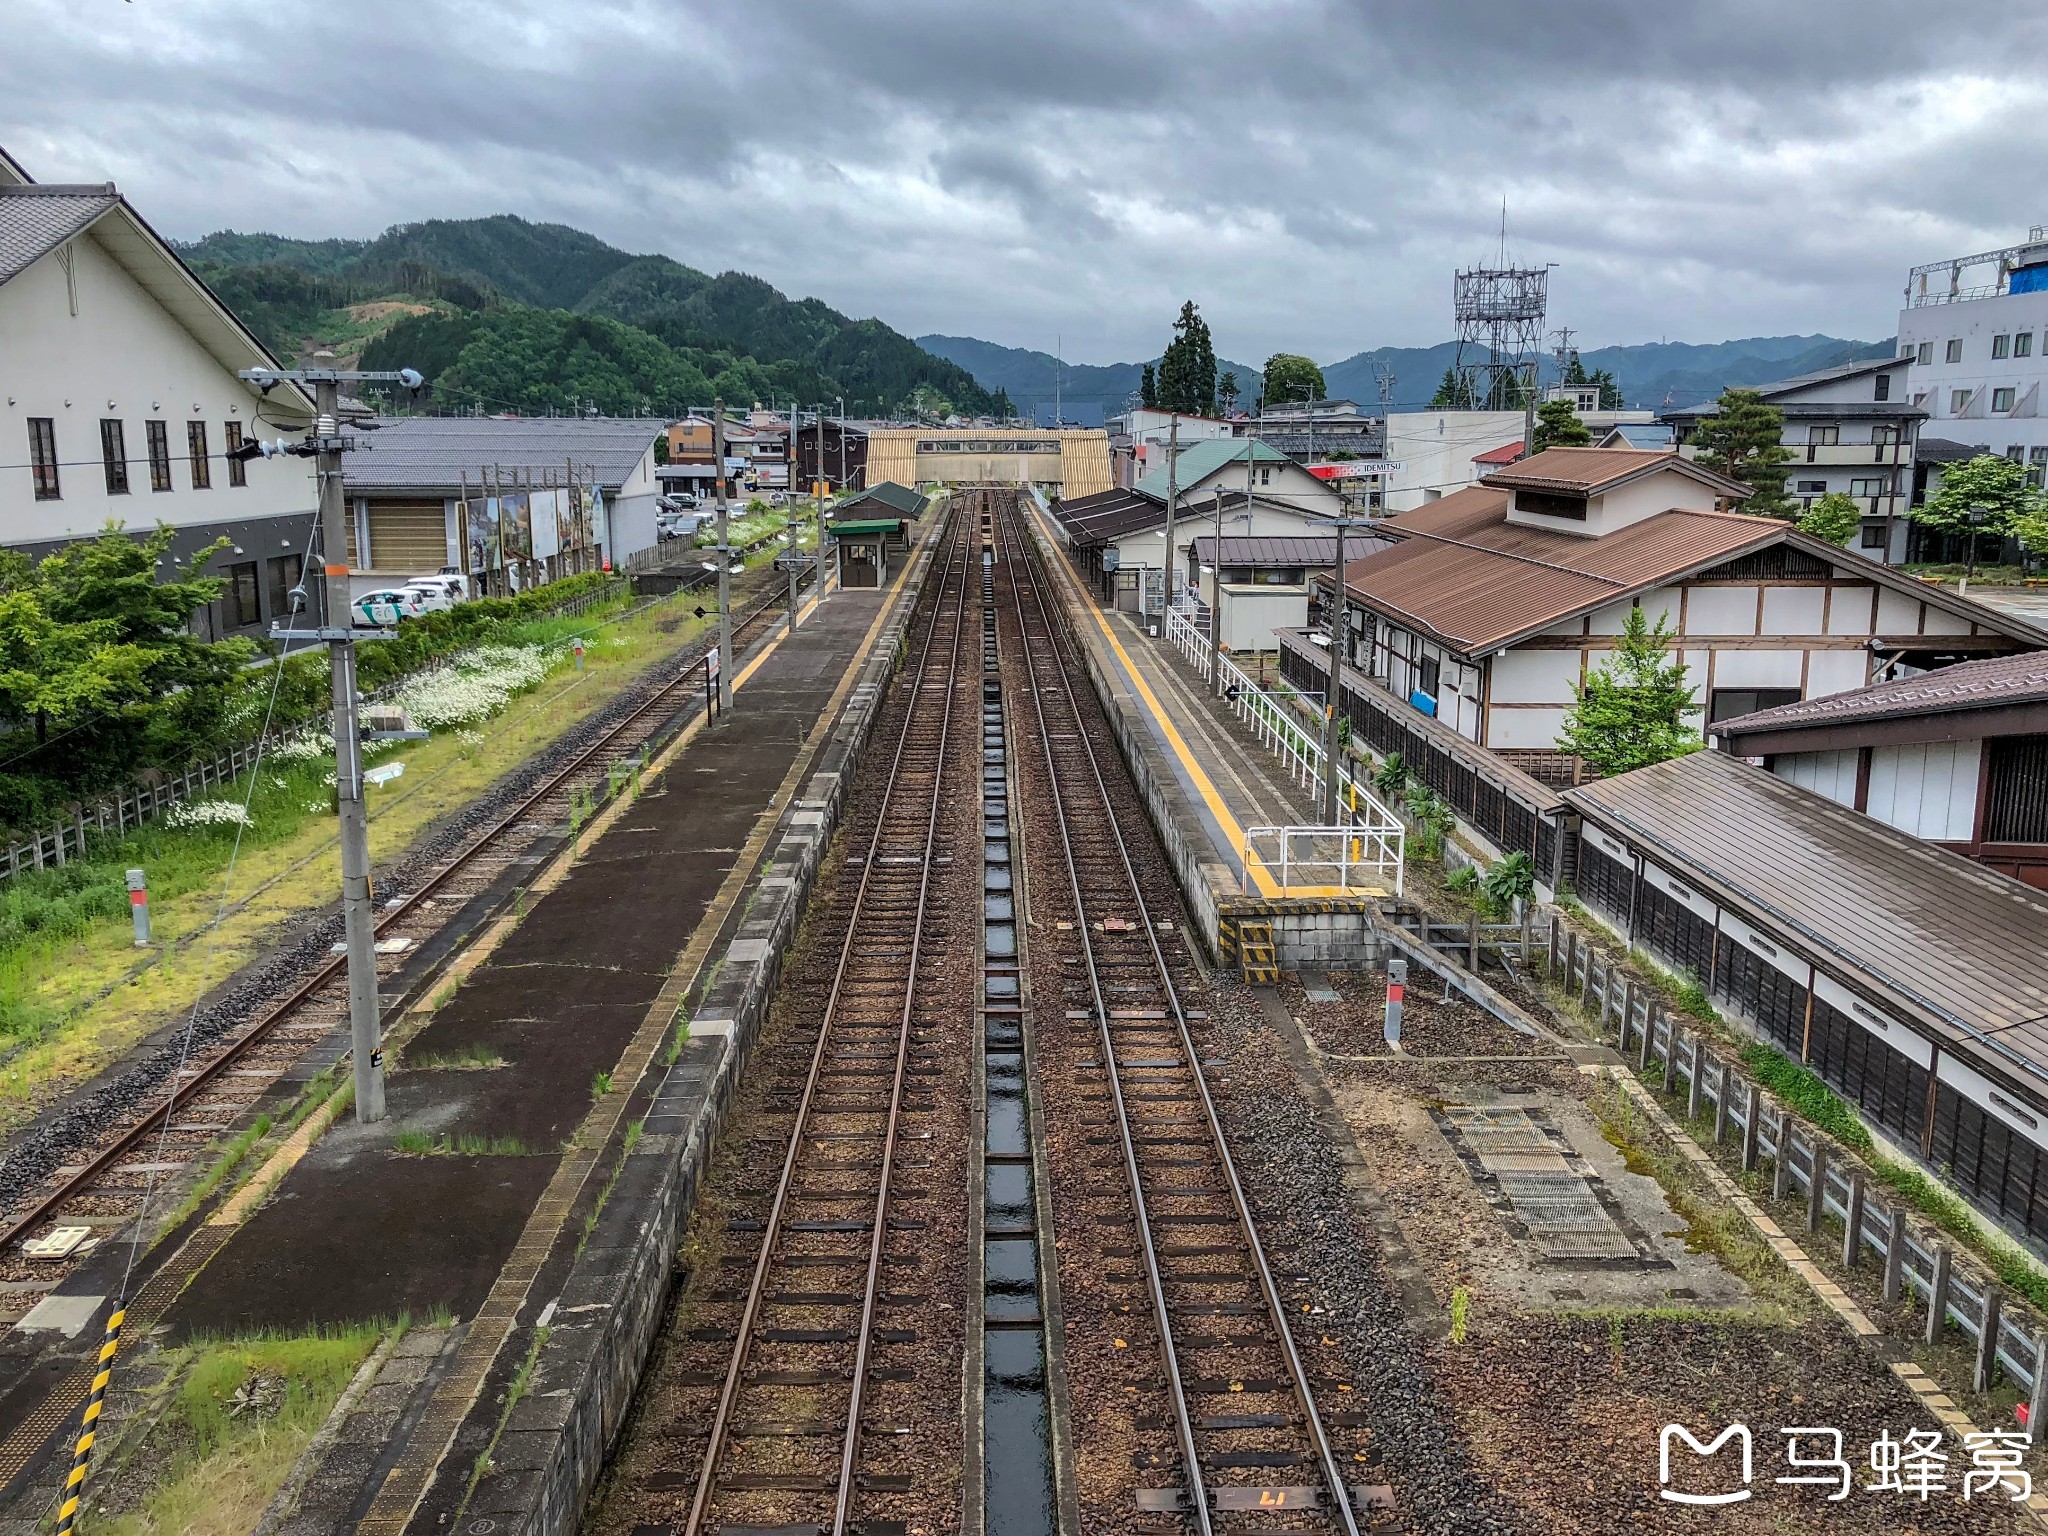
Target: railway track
226 1081
1236 1438
813 1403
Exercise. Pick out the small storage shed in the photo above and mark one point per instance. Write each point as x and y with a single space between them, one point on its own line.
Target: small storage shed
865 545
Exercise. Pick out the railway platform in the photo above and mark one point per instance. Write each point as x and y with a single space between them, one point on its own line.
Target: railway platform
1212 789
507 1083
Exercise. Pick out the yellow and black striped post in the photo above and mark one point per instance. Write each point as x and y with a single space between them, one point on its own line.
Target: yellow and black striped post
81 1458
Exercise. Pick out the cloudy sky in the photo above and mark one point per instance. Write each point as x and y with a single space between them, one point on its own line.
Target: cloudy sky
1310 173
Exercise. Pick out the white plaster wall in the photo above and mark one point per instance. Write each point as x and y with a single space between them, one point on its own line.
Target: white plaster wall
1836 672
1825 773
1720 611
1534 677
1251 613
1897 614
1849 610
122 347
1928 788
1435 449
1793 610
1530 728
1757 669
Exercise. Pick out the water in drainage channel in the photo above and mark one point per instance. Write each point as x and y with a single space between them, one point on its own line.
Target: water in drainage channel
1016 1420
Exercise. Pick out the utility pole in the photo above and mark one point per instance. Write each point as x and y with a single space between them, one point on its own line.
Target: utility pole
1339 628
725 657
842 441
1172 505
1216 603
1529 413
818 494
359 918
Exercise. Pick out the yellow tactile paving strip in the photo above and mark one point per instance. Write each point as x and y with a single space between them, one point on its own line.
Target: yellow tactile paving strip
407 1482
1939 1405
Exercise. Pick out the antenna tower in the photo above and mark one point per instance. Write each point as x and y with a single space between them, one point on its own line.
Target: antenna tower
1499 312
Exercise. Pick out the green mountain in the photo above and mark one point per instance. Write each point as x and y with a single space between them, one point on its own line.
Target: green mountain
506 314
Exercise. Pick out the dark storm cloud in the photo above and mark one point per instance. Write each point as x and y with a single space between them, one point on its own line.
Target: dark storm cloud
1310 172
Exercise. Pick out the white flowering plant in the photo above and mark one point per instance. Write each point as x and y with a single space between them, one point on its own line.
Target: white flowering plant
207 813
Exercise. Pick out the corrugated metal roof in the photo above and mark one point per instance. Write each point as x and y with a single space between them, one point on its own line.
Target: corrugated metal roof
1465 575
1992 684
1966 947
1200 460
1107 515
901 497
1599 469
1279 549
435 453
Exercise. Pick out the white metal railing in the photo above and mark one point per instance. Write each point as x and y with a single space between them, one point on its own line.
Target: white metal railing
1355 857
1379 833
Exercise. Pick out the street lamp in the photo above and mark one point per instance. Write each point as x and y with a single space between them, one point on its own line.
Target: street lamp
1978 516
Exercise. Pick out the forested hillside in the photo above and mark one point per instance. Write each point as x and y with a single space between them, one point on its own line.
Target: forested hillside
505 314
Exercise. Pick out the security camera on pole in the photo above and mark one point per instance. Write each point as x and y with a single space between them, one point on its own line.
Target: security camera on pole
336 628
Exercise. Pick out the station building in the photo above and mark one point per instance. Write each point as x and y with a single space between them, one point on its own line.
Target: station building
1065 461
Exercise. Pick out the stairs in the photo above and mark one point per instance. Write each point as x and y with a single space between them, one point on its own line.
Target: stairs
1256 954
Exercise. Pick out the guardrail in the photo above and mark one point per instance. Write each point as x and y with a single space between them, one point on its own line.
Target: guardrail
1380 836
1808 1164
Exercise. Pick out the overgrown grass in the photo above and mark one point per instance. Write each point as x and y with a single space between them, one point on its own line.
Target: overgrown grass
1809 1097
231 1158
477 1057
422 1144
676 1041
522 1381
224 1460
600 1085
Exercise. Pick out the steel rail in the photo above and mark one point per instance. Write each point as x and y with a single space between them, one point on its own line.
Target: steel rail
700 1503
183 1093
1276 1308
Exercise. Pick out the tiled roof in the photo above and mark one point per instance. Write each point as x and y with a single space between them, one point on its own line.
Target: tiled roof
1991 684
1200 460
1966 946
1505 454
1464 574
1107 515
435 453
1599 469
35 220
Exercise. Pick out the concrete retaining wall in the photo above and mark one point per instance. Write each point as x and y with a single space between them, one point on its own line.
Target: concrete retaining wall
603 1325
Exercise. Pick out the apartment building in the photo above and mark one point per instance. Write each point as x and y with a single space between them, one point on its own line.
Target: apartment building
1974 334
1851 430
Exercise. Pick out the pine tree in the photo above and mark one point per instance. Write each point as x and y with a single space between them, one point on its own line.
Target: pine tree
1632 710
1744 441
1227 391
1148 387
1187 371
1610 391
1558 426
1454 393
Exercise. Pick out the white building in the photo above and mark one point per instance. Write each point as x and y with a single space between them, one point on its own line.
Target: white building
1235 465
117 372
1851 430
1494 603
1436 451
1138 439
1975 333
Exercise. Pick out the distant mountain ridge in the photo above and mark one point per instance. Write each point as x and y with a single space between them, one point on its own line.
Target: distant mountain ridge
622 330
1086 392
1649 373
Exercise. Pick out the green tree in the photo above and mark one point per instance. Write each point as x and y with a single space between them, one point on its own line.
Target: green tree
1631 711
1991 487
1834 518
1558 426
1290 376
1453 393
1227 391
1610 392
1743 440
926 404
1187 370
1506 393
1148 387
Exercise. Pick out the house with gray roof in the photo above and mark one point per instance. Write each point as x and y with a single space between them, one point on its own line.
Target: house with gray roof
119 401
508 500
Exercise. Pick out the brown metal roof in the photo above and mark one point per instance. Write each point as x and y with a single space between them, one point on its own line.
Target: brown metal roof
1465 575
1599 469
1963 948
1998 683
1281 549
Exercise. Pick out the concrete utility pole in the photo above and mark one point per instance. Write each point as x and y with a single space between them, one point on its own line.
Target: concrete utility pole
794 523
359 920
725 657
842 441
818 492
1529 414
1216 603
1172 506
1339 627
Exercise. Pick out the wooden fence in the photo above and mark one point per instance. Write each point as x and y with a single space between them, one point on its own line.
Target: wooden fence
1806 1164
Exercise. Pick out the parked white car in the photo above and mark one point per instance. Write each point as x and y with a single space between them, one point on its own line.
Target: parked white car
435 592
384 608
